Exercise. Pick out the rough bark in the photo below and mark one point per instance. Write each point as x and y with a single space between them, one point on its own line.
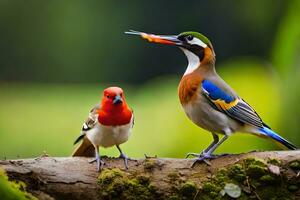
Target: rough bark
163 178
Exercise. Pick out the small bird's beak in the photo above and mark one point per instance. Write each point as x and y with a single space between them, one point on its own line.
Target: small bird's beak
162 39
117 99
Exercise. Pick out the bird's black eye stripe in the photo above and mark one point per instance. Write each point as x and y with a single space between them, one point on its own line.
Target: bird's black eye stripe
197 50
190 37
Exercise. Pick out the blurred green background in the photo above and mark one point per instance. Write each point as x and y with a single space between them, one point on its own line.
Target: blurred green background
56 57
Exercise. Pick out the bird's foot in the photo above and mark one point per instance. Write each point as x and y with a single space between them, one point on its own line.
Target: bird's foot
194 154
205 157
203 153
100 163
126 158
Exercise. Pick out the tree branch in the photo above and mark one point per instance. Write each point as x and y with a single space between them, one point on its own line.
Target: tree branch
257 175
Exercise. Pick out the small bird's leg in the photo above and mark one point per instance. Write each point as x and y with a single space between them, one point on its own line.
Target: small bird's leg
100 163
208 154
124 156
215 141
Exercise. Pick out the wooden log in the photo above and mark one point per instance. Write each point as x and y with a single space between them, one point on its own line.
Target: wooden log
256 175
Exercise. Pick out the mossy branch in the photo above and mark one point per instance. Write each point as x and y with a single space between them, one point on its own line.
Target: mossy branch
256 175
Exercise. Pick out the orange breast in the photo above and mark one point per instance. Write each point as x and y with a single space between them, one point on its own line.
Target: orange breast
188 87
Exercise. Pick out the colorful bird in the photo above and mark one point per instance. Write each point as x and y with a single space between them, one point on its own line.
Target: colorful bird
207 100
109 123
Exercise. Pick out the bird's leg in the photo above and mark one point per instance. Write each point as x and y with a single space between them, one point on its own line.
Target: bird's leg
124 156
100 163
207 154
215 141
212 146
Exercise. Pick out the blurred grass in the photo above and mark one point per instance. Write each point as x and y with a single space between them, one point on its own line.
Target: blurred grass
48 117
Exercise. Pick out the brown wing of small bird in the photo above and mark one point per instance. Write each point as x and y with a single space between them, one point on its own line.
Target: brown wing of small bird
85 149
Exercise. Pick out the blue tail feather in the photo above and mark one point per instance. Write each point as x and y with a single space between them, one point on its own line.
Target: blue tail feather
268 132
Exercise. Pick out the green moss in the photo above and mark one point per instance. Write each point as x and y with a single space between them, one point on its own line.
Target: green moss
144 180
237 172
149 164
254 161
174 197
255 168
10 190
271 192
274 161
222 177
249 171
295 165
293 188
107 176
152 188
251 175
182 190
116 184
211 189
188 190
268 179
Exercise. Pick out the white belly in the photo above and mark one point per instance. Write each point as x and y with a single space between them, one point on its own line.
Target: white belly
107 136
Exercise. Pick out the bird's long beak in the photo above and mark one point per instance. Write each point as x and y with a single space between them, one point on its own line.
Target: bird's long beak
162 39
117 99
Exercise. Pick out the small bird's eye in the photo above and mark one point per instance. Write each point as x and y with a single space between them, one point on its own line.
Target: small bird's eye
108 96
190 37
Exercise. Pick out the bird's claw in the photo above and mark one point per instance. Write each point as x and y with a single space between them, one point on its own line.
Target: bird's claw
126 158
193 154
100 163
204 157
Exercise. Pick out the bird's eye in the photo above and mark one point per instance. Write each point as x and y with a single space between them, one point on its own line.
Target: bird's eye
190 37
108 96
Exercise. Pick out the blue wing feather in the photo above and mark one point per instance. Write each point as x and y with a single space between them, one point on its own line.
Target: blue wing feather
216 93
240 110
235 108
268 132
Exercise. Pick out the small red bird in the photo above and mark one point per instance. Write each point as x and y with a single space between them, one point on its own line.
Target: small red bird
109 123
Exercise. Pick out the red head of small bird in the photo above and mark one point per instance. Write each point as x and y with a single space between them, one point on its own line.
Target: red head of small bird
114 110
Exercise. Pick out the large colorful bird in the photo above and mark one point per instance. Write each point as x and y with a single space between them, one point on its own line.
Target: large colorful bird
207 100
109 123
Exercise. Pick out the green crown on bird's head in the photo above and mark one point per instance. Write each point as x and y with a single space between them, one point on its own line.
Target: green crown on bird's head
200 36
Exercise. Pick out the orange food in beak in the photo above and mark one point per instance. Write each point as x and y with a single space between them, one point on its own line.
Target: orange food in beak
156 39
